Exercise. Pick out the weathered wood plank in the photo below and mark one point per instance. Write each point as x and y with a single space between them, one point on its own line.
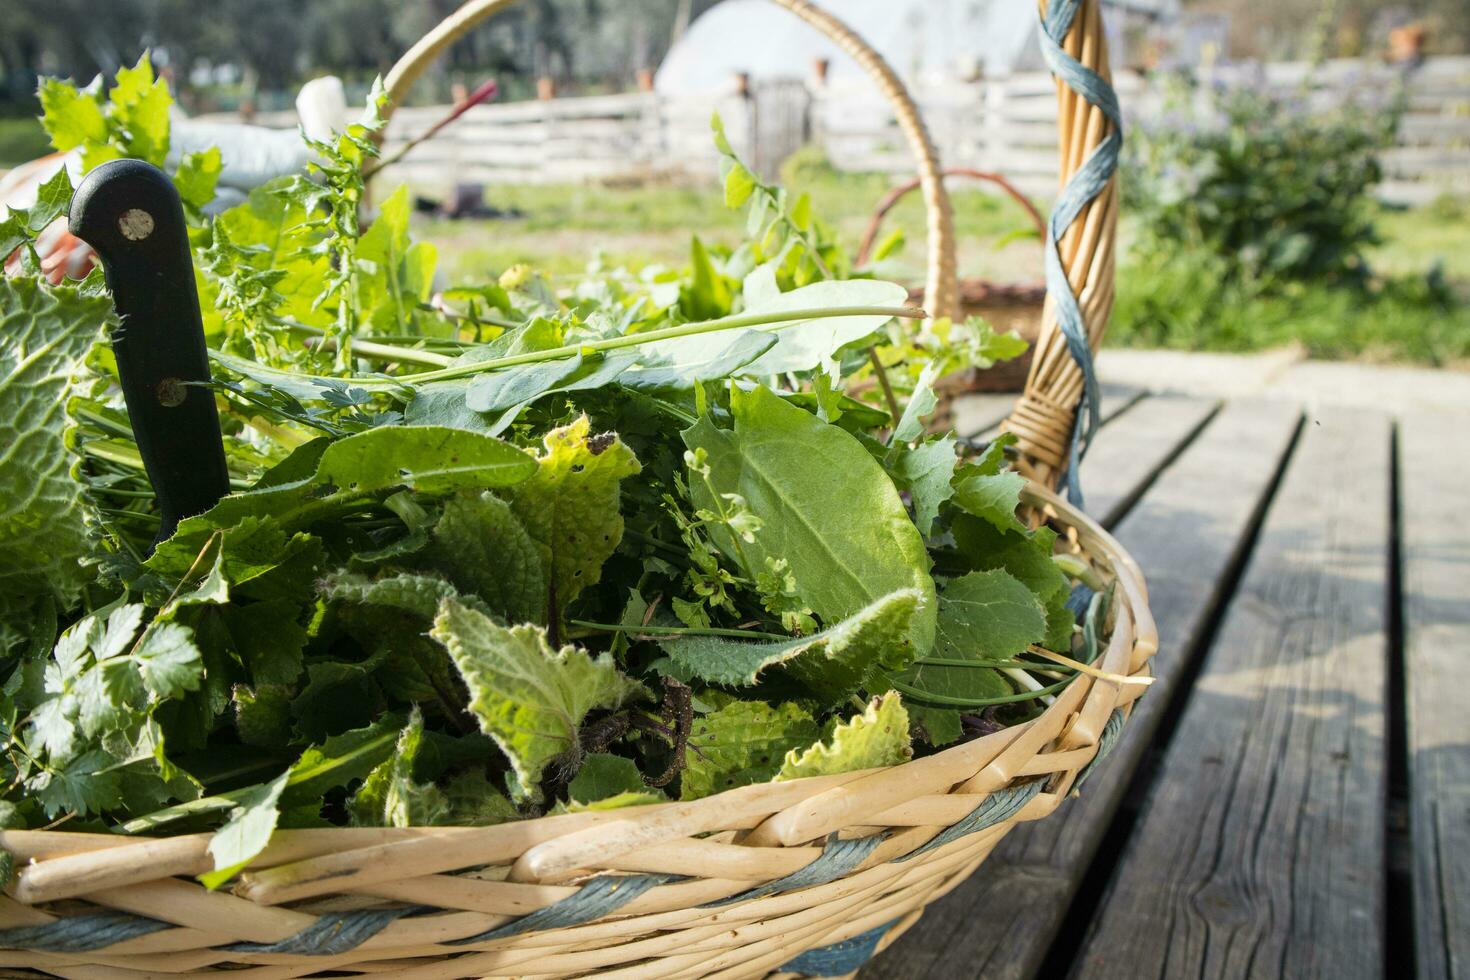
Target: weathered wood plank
1127 454
1187 532
1435 553
1259 852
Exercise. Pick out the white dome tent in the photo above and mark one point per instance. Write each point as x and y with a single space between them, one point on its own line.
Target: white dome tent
926 41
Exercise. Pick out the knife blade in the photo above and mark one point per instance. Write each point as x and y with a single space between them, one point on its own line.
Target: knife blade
130 213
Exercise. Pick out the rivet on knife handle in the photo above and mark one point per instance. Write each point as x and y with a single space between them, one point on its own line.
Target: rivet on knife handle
130 213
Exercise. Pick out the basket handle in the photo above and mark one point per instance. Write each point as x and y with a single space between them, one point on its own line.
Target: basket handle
1057 413
893 197
941 291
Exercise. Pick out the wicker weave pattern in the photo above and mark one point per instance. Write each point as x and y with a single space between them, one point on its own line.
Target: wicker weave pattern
733 885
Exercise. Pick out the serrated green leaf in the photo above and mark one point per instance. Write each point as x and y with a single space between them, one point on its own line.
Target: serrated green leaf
879 737
983 616
85 785
571 507
418 595
45 332
481 544
423 458
743 742
527 697
921 405
805 480
139 107
197 176
168 661
53 199
70 116
994 498
928 470
832 663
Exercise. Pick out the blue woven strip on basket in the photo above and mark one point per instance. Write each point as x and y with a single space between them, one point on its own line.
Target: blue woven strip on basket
996 808
80 933
601 896
1079 600
839 959
330 935
838 859
1084 185
1105 744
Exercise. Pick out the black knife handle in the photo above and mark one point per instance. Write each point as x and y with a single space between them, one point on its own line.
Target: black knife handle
130 213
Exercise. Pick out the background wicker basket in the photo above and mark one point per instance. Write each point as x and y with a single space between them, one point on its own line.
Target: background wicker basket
803 877
1016 306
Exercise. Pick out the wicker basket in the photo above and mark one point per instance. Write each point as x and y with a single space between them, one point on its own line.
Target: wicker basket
803 877
1007 306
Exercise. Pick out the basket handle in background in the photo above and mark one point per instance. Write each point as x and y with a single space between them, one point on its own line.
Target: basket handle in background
1057 413
941 286
893 197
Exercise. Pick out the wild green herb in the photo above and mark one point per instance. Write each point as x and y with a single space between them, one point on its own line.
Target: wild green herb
499 549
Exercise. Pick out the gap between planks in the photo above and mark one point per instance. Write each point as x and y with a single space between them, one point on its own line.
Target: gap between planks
1259 852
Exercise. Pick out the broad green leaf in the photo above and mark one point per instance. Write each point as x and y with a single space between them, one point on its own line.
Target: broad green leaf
45 332
71 117
423 458
604 776
1027 556
832 663
921 404
983 616
826 506
743 742
877 738
739 185
527 697
482 545
571 507
937 726
928 469
681 362
803 345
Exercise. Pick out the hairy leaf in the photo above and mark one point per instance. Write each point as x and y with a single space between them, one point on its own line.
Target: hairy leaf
741 743
832 663
526 696
482 545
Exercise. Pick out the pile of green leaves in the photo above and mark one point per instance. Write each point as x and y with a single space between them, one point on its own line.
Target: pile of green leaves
497 550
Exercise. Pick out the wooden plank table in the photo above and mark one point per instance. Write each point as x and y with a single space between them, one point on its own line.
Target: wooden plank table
1239 829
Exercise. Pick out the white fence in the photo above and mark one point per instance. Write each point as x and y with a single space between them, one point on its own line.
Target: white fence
1007 125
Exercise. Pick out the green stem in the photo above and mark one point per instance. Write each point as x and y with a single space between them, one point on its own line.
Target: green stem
628 340
988 664
368 349
945 701
677 631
